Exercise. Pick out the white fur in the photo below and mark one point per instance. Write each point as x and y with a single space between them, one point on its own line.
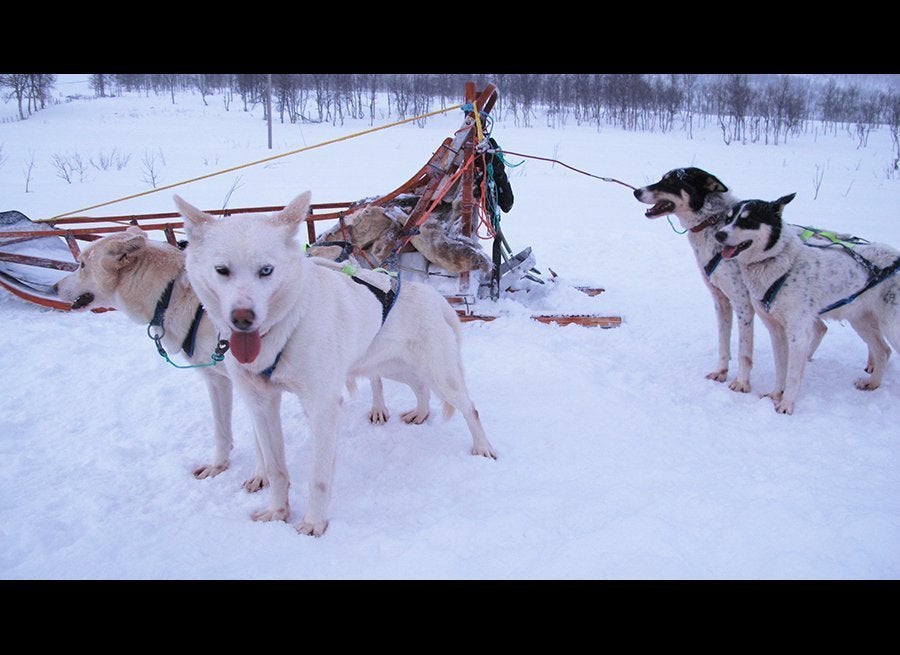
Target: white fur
327 329
817 278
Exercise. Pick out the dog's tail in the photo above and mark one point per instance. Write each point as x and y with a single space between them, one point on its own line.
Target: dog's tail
452 318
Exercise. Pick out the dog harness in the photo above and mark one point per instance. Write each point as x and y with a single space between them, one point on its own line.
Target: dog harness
717 258
877 274
190 340
386 298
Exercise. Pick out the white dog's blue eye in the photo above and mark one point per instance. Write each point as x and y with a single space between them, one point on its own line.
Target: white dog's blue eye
266 270
223 270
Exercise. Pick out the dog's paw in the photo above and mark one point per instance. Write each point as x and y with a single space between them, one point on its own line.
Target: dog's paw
209 470
277 514
718 376
312 528
484 451
774 395
866 384
378 416
784 407
254 484
415 416
741 386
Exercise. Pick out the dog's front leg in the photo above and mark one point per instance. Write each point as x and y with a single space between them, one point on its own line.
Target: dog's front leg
258 481
723 323
745 316
264 403
219 389
797 357
779 353
379 413
324 424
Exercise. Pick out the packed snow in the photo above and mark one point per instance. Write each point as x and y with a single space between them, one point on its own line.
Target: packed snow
618 459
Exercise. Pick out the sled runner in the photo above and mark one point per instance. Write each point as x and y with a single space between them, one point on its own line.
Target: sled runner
430 228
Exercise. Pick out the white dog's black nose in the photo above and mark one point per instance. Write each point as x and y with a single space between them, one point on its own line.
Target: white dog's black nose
243 319
721 235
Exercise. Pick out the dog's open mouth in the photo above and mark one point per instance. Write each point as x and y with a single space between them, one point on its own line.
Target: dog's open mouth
83 300
729 252
661 208
245 346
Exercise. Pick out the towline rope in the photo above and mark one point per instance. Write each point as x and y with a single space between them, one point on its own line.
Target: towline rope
254 163
556 161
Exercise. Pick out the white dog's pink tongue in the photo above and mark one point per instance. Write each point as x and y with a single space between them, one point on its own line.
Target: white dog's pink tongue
245 345
728 252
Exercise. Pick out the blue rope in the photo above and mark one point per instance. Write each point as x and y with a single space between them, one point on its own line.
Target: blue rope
672 225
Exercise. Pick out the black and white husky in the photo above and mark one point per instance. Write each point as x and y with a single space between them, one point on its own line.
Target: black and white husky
699 200
793 284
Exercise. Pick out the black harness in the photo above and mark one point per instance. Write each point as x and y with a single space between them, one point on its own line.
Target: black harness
386 298
710 221
158 321
712 263
772 291
877 274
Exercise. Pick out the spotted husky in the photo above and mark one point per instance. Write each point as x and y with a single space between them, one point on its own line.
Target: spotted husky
794 284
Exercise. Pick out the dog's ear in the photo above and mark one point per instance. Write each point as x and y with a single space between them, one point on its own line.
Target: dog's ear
714 184
293 214
295 211
124 252
779 204
195 218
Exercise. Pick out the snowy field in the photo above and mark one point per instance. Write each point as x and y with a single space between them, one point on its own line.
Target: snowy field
618 460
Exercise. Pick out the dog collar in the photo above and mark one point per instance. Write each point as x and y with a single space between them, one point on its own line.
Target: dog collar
709 222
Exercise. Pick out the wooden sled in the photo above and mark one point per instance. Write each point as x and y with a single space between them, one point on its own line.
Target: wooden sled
54 246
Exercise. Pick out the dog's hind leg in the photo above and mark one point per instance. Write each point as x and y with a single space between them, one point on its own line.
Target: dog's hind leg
451 388
422 410
821 329
219 389
869 331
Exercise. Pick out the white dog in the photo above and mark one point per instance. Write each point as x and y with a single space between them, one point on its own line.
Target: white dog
793 285
307 329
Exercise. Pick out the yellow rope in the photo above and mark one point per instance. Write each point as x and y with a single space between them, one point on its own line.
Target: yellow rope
261 161
478 131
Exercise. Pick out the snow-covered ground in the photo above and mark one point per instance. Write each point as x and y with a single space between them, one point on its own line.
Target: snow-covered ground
617 458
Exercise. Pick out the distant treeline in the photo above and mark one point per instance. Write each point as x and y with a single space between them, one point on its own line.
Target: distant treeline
746 108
